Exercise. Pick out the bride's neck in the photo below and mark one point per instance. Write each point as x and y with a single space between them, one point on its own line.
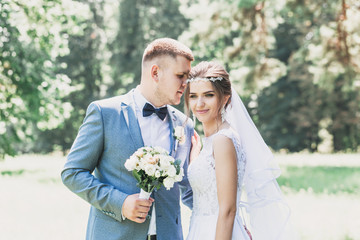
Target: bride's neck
212 128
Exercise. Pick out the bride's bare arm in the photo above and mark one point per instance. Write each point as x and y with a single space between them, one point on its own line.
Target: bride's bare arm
226 180
195 146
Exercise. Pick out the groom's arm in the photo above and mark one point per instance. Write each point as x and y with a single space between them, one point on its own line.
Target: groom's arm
81 162
83 158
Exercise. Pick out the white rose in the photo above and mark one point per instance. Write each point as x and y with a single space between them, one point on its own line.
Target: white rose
157 174
168 183
180 134
168 159
171 159
171 172
142 164
138 168
164 162
150 169
152 160
146 158
139 153
131 163
179 131
160 150
147 149
178 178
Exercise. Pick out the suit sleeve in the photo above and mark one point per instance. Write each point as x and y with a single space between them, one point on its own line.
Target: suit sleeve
185 188
81 162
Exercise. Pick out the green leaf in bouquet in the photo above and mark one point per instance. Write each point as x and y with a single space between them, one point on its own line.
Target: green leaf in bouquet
150 188
177 166
137 176
158 187
156 182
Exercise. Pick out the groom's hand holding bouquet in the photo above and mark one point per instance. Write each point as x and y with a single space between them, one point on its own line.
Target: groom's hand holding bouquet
152 167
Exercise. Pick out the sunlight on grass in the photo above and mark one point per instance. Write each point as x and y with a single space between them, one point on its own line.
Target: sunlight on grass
321 179
323 192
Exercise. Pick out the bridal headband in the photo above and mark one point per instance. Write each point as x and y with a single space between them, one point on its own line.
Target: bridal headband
205 79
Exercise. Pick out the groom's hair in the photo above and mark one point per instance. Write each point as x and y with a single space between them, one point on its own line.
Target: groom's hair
166 47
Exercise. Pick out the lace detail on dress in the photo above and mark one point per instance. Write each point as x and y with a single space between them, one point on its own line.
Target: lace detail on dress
202 177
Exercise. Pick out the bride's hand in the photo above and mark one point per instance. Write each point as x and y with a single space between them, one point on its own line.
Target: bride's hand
195 146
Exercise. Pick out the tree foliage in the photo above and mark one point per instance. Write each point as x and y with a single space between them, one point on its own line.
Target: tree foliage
140 22
295 63
306 51
31 92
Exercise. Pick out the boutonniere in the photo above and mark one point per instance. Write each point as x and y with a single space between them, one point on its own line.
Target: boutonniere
179 135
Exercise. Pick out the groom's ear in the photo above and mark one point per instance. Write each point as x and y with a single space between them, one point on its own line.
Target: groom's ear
154 71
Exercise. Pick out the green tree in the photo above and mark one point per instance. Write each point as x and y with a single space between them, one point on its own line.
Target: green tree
30 89
298 45
140 22
83 65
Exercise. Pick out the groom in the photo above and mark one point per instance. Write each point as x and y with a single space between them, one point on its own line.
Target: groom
113 130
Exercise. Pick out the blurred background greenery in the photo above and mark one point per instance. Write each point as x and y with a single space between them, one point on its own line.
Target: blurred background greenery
295 63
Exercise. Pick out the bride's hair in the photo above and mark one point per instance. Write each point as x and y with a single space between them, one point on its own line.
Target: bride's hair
207 70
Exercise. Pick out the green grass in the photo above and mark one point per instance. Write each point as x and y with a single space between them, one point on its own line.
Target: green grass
12 173
321 179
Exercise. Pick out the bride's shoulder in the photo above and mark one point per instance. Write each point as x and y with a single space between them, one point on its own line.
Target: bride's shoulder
223 148
228 133
223 139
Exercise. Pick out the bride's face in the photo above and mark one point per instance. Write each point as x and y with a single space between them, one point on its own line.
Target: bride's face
203 102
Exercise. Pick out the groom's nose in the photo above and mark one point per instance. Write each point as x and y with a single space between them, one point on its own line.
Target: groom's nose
183 84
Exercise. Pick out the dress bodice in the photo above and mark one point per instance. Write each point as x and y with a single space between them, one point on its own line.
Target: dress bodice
202 177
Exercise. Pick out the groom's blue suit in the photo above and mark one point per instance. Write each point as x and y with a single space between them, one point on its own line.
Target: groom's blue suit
109 135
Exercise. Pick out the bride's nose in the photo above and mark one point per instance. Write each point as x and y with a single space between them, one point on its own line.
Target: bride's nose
200 102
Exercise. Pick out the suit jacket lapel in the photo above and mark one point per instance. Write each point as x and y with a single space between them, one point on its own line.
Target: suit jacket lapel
127 107
172 124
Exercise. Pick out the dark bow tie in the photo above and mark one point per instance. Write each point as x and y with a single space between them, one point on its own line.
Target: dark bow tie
149 109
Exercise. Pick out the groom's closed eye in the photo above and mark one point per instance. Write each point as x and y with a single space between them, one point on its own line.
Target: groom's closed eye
182 75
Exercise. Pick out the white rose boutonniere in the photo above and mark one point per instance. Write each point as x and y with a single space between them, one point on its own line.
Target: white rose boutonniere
179 134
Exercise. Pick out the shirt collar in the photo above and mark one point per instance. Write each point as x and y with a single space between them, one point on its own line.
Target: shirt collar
140 100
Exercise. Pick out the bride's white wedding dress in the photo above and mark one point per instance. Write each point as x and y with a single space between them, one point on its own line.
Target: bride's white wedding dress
202 178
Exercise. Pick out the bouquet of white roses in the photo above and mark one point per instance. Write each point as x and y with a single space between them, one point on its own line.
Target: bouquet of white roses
153 167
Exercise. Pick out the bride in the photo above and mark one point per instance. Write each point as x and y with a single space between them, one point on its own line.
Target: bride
234 158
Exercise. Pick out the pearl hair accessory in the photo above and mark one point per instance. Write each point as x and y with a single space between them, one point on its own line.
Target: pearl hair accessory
213 79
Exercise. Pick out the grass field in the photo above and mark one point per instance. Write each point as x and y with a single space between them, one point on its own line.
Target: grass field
323 192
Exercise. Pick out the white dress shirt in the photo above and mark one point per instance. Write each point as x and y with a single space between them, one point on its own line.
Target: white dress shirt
155 132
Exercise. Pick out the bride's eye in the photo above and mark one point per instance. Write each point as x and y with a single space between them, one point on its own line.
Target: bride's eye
209 95
192 96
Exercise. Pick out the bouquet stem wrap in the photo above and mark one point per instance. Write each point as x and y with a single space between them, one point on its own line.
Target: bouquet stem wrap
144 194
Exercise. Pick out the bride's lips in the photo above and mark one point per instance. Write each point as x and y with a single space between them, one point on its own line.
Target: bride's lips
202 111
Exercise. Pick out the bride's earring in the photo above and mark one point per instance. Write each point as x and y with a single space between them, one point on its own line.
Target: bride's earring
194 119
223 114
